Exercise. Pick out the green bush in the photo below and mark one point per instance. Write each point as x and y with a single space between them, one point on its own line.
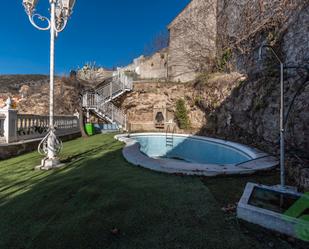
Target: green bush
181 115
223 62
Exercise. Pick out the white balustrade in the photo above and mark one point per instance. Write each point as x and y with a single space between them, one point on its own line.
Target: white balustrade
31 126
20 127
2 119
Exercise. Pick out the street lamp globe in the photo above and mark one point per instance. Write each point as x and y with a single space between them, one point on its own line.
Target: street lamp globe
68 4
64 9
30 5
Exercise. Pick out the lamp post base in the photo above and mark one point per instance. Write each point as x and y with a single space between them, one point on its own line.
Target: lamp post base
49 164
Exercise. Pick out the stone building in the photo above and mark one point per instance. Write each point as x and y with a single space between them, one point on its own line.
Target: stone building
150 67
192 46
192 42
154 67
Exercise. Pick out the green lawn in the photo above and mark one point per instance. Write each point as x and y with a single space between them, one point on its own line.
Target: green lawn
79 205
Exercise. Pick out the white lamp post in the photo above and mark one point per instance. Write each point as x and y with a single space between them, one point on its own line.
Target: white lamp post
282 130
60 11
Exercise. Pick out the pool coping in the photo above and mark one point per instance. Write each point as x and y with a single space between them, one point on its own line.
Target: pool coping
132 154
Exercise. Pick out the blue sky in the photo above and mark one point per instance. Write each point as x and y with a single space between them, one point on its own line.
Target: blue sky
109 32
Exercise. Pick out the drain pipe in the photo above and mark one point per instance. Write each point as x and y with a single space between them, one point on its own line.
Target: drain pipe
282 129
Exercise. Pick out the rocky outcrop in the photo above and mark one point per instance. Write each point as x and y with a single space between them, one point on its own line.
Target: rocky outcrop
37 101
13 83
93 75
243 25
251 113
30 94
148 97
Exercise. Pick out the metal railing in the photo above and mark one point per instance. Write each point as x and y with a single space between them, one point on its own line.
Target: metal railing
113 113
100 101
169 135
90 100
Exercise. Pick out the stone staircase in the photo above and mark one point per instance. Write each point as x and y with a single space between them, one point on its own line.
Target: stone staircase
100 102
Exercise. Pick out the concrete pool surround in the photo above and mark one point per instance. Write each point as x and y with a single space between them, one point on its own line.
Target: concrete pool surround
255 159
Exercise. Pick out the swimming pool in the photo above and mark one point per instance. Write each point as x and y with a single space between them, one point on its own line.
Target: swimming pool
193 155
189 149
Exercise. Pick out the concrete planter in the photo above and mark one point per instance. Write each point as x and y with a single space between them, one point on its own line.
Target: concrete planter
293 222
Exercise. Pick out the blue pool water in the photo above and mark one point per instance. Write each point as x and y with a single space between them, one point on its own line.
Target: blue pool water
190 149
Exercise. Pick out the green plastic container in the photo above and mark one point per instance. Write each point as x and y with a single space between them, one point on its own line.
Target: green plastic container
89 129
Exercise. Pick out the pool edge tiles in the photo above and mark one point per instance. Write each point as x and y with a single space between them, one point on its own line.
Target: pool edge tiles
133 154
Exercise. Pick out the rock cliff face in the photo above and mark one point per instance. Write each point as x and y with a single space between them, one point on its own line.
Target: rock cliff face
243 25
37 99
147 99
251 112
13 83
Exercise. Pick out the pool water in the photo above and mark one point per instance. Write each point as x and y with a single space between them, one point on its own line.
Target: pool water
272 200
190 149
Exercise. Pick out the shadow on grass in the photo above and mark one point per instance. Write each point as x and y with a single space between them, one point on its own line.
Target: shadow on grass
98 191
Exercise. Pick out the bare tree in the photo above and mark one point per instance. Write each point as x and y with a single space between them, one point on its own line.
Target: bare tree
80 87
159 42
92 74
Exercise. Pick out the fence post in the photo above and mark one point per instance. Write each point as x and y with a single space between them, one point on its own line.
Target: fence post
76 124
125 122
10 122
113 113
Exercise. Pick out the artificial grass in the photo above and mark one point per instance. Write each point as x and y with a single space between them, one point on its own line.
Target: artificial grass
98 191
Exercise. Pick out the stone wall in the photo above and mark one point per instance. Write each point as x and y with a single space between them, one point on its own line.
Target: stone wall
151 67
192 44
154 67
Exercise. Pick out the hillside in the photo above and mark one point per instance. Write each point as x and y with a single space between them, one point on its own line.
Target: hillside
12 83
30 93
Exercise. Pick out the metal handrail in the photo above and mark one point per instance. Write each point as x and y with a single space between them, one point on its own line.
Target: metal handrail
100 101
254 159
168 129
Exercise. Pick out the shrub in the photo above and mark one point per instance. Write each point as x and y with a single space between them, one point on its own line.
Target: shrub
222 63
181 115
